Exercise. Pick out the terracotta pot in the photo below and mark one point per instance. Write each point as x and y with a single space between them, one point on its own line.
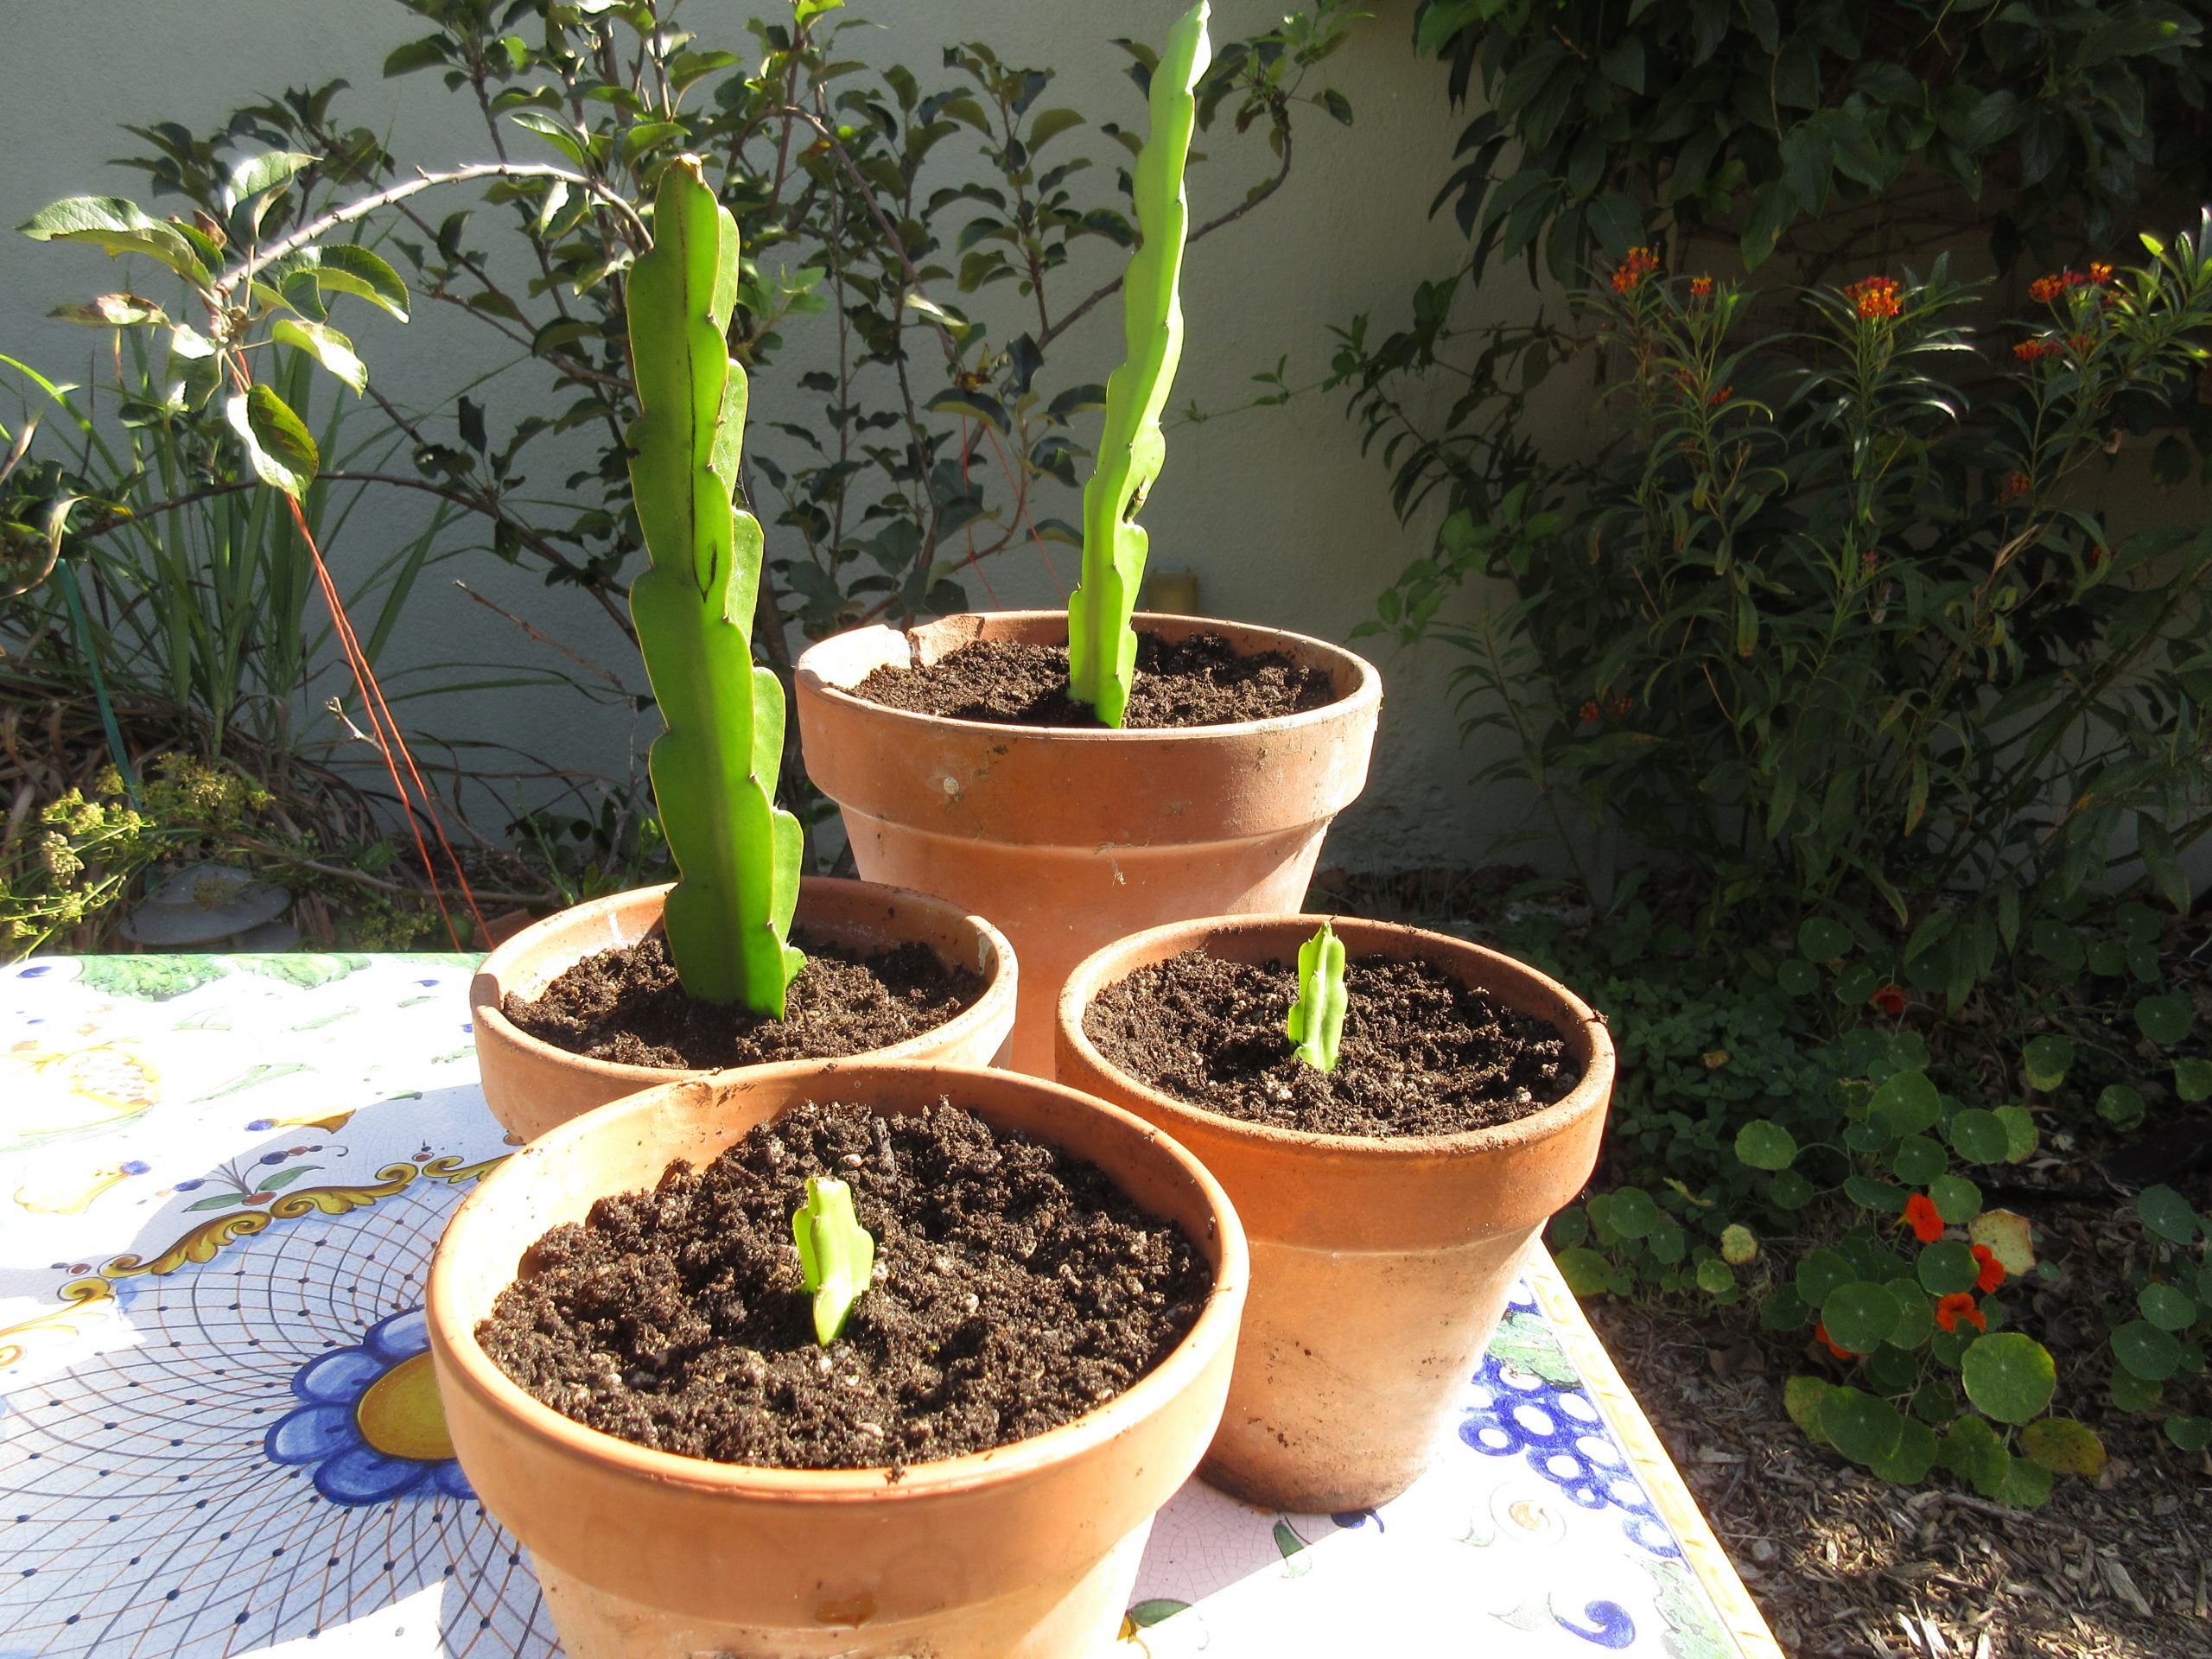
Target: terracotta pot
1069 838
531 1086
1380 1268
1029 1551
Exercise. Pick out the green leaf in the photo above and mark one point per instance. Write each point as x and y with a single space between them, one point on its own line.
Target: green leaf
1822 1272
2134 1392
1048 124
1822 939
2045 1060
2064 1447
1972 1451
1764 1144
1633 1214
1796 977
2026 1485
117 226
1919 1160
1907 1104
1789 1190
1587 1273
836 1255
556 132
1915 1456
2189 1433
1882 1197
1916 1320
257 173
2147 1351
220 1201
1947 1266
1715 1277
2168 1308
2166 1213
1979 1137
2165 1018
2193 1080
2020 1133
1157 1610
2120 1106
1863 1426
349 268
2058 945
2009 1377
278 443
1738 1245
1956 1199
327 346
1860 1315
1317 1016
1801 1398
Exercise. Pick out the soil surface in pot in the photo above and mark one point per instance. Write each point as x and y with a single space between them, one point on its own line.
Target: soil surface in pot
627 1005
1016 1287
1421 1053
1195 682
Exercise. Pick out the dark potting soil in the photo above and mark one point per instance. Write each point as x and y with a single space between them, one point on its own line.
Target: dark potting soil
1421 1053
627 1005
1016 1287
1195 682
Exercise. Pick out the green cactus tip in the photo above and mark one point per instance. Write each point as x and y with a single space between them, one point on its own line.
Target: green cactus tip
836 1255
1317 1017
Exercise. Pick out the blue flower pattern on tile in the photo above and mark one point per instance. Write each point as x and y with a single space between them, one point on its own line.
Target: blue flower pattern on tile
327 1430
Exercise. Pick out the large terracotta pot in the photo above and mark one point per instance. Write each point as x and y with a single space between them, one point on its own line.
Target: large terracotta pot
1380 1266
1027 1552
1070 838
531 1086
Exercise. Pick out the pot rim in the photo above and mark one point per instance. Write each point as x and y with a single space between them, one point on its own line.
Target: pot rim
1107 965
559 1436
485 1010
1364 697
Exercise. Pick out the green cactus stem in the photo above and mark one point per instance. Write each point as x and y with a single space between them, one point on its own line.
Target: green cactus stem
1317 1017
1102 646
836 1255
713 769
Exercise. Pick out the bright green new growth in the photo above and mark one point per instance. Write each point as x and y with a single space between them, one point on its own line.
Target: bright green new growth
713 769
1102 646
1317 1018
836 1255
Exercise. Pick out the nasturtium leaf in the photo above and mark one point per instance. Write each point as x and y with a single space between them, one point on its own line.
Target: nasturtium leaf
1823 939
1764 1144
2165 1018
2064 1447
2134 1392
2193 1080
2120 1106
1820 1273
1784 1309
1738 1245
2108 958
1857 982
1859 1315
2139 921
1863 1426
1632 1214
2145 1351
1882 1197
1916 1321
1715 1277
1567 1229
2189 1433
1794 976
1979 1137
2058 945
1907 1466
1890 1371
1947 1268
1935 1402
1918 1160
2166 1213
2009 1377
2006 1235
1801 1398
2021 1135
1584 1271
1668 1243
2026 1485
1869 1137
1948 1347
1789 1190
1956 1199
1907 1104
1972 1451
2045 1060
2167 1307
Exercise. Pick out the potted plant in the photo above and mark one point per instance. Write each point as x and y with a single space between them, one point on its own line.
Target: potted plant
1395 1114
727 921
1078 775
1024 1550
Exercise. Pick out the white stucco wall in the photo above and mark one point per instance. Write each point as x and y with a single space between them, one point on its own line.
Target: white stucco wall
1283 520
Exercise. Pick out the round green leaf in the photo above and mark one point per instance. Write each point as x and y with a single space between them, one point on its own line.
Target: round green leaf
1632 1214
2139 921
1860 1316
1857 982
2120 1106
2058 945
1820 1273
2134 1392
1789 1190
1919 1160
1979 1137
1907 1104
2165 1018
1796 977
2193 1080
1863 1426
1715 1277
2021 1135
1801 1398
2026 1485
2045 1060
1764 1144
1916 1320
2166 1307
1784 1309
1567 1229
2108 958
1935 1402
2009 1377
1882 1197
1915 1455
2189 1433
2064 1447
1584 1271
2166 1213
2147 1351
1892 1371
1947 1266
1956 1199
1668 1243
1738 1245
1973 1451
1823 940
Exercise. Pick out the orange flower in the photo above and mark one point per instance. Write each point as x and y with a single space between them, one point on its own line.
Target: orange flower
1869 561
1631 271
1960 1305
1588 712
2099 274
2044 289
1992 1270
2016 486
2081 345
1700 288
2029 350
1875 297
1820 1334
1920 1215
1721 395
1622 705
1889 1000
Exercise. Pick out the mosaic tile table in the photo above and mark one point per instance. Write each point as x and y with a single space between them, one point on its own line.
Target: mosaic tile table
221 1181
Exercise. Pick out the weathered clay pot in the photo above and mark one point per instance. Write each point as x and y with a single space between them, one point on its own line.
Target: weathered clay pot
1070 838
1026 1552
531 1086
1380 1268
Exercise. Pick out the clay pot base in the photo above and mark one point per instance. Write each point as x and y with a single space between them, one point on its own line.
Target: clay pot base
1199 681
626 1006
1423 1053
1017 1289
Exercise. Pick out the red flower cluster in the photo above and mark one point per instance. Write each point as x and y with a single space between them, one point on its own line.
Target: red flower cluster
2044 289
1890 998
1622 705
2016 486
1588 712
1721 395
1922 1216
1960 1305
1875 297
1992 1270
1700 288
2030 350
1640 263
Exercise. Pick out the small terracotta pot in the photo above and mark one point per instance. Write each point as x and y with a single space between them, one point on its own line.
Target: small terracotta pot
1029 1551
1070 838
1380 1268
531 1086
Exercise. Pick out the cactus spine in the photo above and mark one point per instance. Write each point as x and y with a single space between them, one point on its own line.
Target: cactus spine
713 769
